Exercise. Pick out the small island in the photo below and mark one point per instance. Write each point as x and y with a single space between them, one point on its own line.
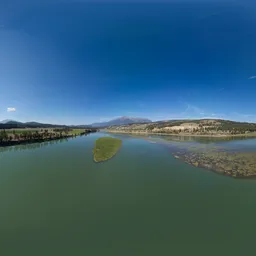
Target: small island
105 148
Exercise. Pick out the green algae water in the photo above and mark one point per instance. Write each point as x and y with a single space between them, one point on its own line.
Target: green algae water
56 201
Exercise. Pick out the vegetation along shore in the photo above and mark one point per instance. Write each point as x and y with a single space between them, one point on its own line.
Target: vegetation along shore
202 127
10 137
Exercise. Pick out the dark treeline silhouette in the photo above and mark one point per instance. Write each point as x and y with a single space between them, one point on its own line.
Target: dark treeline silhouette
20 136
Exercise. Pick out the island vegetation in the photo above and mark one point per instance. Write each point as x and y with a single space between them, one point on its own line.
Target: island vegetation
9 137
105 148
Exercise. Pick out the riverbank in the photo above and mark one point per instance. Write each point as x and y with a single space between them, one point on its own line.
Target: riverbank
21 136
31 141
185 134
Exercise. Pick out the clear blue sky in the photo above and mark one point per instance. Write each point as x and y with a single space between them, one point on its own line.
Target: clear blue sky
74 62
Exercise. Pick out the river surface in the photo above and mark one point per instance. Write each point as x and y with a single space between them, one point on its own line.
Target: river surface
56 201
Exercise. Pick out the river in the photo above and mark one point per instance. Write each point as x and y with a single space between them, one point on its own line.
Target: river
56 201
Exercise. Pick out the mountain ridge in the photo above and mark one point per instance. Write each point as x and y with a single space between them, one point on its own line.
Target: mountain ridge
123 120
9 124
7 121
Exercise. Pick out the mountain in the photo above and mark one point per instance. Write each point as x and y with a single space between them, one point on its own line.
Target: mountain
39 125
122 121
8 124
6 121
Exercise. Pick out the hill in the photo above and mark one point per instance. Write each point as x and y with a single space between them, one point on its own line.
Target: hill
124 120
213 127
6 121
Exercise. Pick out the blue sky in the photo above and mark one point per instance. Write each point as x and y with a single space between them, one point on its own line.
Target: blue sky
74 62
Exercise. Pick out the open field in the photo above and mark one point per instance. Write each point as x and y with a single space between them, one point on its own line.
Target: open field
77 131
50 130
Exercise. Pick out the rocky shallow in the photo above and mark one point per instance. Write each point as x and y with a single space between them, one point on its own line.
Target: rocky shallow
238 164
230 161
233 164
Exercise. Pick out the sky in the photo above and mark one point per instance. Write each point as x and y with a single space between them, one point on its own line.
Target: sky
79 62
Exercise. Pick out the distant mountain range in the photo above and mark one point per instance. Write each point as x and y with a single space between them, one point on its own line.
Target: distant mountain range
7 124
122 121
6 121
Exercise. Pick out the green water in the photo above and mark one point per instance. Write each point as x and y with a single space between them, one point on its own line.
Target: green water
56 201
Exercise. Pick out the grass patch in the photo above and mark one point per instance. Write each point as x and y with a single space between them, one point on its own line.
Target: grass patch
105 148
76 131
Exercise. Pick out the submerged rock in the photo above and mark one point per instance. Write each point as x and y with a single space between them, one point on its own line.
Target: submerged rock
232 164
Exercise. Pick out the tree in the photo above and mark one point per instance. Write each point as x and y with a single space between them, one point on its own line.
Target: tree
3 136
24 135
36 135
16 136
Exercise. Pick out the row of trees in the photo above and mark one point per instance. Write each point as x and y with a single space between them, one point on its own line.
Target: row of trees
6 137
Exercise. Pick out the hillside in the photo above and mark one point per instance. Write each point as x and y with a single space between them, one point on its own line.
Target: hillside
189 127
124 120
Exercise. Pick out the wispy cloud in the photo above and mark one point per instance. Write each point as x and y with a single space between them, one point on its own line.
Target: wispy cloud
243 117
252 77
105 119
11 109
192 109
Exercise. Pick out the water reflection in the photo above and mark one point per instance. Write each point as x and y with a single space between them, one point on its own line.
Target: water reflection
199 139
32 145
232 156
36 145
202 143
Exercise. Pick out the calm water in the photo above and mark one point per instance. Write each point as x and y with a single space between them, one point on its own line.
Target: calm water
56 201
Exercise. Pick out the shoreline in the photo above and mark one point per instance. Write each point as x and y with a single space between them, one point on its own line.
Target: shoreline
49 137
213 167
214 170
187 135
25 142
234 165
